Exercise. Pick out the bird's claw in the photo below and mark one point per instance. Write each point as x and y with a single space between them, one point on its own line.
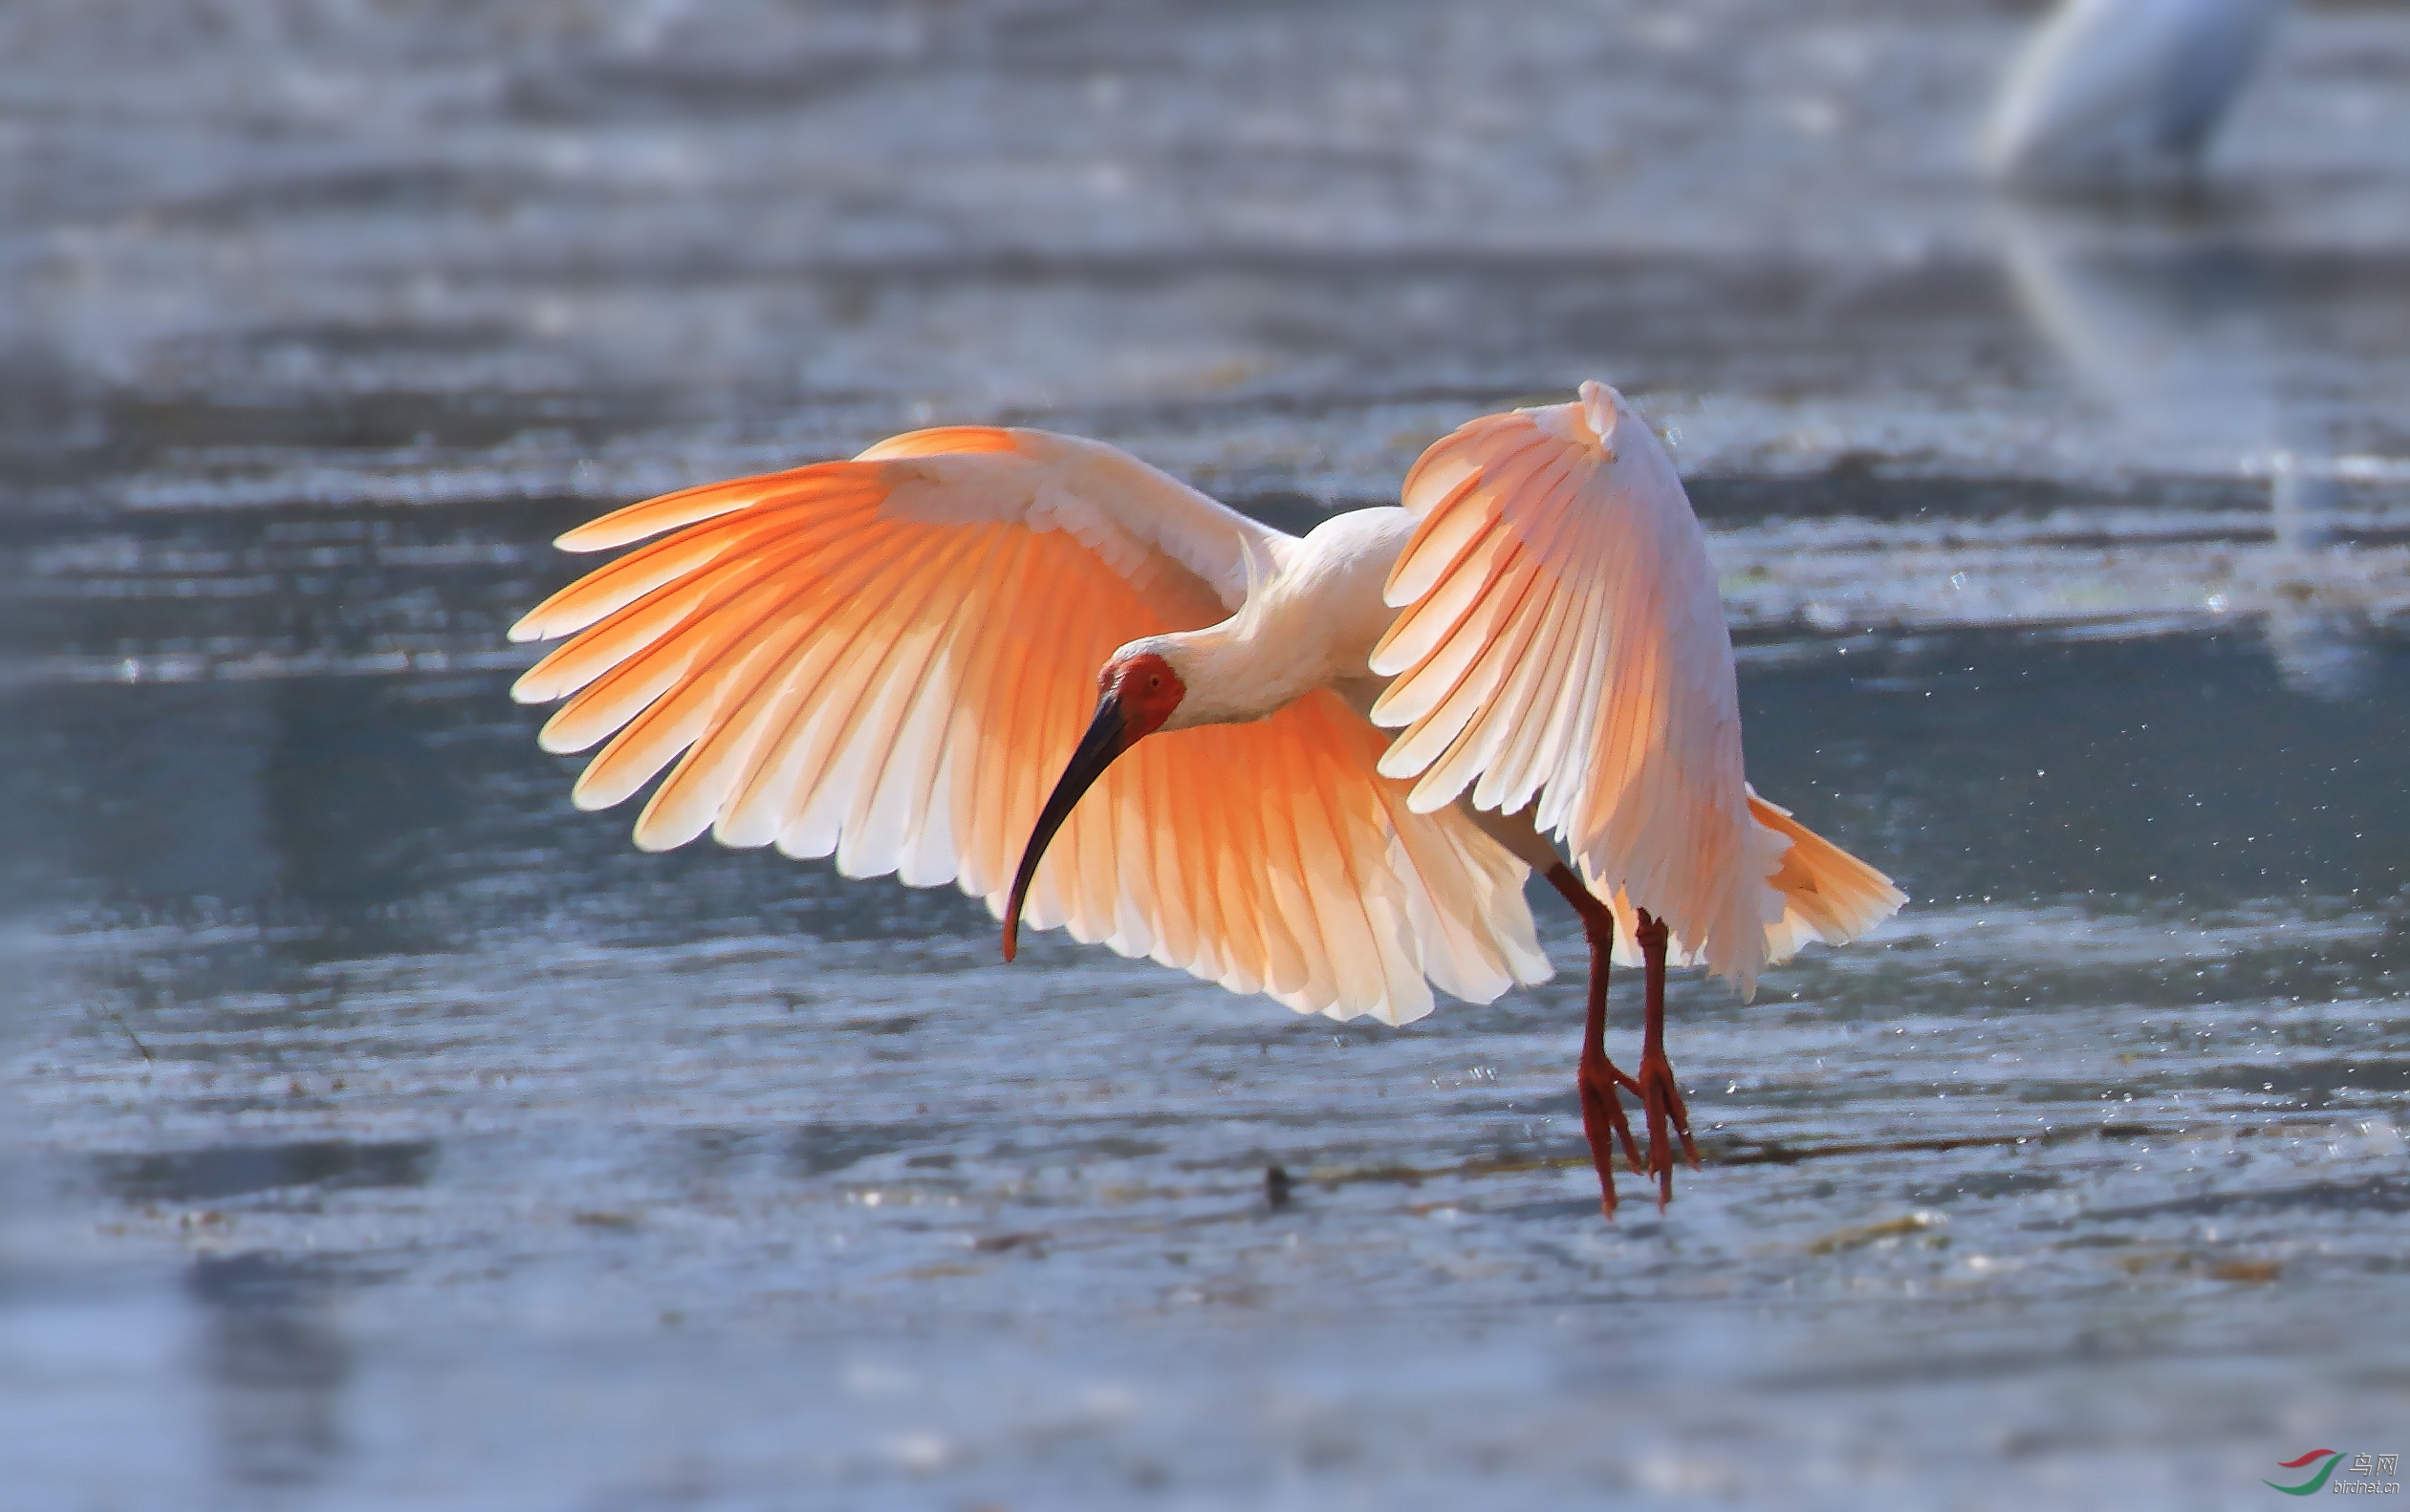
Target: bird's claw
1662 1104
1602 1120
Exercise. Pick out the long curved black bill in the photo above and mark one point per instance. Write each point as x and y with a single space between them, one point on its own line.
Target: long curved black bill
1102 743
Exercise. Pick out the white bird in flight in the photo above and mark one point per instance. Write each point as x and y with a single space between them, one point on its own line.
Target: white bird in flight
2124 90
887 658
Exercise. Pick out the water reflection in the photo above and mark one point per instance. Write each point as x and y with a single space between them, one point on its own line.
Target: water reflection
184 813
275 1365
2173 309
224 1171
240 792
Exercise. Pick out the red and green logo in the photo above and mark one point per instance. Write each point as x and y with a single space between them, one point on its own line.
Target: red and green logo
2316 1482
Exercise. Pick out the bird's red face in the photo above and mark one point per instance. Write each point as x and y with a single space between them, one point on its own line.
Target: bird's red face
1146 690
1135 694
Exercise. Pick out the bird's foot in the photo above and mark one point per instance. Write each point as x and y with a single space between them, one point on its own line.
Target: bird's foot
1602 1120
1661 1102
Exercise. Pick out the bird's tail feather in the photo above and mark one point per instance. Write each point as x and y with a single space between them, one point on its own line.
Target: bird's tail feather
1826 893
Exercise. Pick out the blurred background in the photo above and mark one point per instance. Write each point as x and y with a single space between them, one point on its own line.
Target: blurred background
392 1136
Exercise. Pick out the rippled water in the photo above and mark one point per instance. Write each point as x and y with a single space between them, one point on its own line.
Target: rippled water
396 1138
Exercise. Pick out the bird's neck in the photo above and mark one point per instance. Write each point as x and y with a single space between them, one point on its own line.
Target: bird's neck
1309 624
1245 668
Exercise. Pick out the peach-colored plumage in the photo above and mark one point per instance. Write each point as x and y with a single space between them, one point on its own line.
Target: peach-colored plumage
890 658
1560 640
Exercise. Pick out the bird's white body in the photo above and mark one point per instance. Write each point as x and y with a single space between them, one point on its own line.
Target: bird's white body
1311 621
889 659
2124 90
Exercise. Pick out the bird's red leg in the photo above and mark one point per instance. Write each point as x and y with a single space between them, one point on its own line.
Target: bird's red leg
1598 1078
1659 1098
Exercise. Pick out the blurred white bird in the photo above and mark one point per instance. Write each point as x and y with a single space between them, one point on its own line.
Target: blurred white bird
886 658
2124 90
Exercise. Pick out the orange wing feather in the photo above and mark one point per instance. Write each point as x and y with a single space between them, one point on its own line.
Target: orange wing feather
889 658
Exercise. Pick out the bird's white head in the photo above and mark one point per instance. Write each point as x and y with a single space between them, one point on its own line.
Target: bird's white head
1136 693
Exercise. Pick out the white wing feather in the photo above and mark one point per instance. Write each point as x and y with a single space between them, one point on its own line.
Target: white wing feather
1561 641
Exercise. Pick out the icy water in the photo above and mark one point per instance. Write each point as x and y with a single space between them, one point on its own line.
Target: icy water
394 1138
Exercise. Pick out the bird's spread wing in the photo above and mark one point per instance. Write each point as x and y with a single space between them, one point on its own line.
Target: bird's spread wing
890 659
1561 641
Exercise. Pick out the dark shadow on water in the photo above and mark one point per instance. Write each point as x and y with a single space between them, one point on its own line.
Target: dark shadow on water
2308 1084
1852 489
1563 1210
802 1152
824 1149
224 1171
1985 1186
2017 766
1112 1147
891 1024
275 1365
2377 1194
